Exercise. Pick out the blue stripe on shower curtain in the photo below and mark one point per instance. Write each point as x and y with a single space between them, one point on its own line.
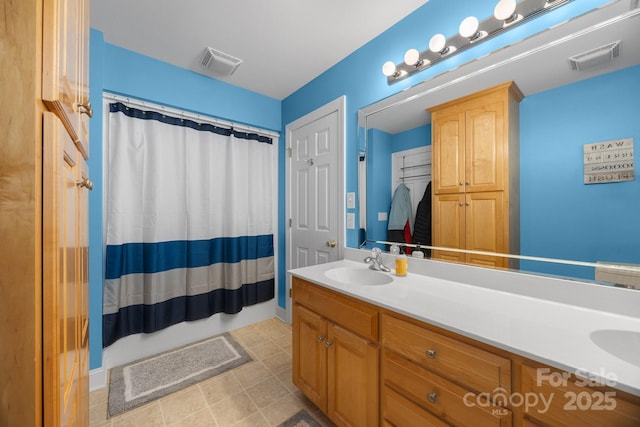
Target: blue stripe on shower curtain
130 258
188 221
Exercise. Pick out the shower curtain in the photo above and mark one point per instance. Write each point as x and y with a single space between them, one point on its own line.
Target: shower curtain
188 221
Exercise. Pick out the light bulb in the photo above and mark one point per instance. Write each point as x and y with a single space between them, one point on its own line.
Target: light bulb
469 27
389 68
437 43
505 10
412 57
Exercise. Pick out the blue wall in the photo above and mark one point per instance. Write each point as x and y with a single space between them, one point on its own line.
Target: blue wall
126 73
554 126
357 76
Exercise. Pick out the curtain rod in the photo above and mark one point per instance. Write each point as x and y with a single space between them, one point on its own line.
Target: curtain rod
188 115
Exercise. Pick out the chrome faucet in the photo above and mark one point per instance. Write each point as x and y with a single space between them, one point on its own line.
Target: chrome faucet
375 261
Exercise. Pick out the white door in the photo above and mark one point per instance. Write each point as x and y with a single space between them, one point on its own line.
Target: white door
315 187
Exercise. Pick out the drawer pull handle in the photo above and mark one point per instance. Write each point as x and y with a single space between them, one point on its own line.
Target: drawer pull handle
328 344
431 354
432 397
320 338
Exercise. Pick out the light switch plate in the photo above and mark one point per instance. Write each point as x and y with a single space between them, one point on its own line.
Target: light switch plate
351 221
382 216
351 200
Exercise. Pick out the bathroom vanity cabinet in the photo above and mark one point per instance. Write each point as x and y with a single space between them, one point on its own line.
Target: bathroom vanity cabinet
475 174
335 353
349 355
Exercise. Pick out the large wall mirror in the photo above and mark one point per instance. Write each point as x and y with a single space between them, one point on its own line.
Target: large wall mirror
561 216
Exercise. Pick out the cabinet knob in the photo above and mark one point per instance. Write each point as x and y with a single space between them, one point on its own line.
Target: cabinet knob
431 354
86 183
460 183
460 204
431 397
320 338
86 109
467 204
328 344
467 183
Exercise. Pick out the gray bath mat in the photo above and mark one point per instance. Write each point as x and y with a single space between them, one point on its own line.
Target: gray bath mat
301 419
148 379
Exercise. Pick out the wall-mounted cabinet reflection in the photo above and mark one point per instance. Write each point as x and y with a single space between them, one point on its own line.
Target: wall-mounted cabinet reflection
475 175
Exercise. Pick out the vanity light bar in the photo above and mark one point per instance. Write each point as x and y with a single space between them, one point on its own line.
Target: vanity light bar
507 13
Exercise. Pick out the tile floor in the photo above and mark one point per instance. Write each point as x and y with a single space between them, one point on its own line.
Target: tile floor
259 393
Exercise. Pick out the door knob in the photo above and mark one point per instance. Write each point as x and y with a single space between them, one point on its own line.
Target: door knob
331 243
86 183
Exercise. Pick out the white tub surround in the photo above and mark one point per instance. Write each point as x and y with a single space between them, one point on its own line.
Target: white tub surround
571 325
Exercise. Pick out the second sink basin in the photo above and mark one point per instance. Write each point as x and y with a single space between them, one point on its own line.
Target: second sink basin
359 276
622 344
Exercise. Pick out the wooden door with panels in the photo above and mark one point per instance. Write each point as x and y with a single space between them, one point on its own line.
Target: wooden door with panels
65 278
65 150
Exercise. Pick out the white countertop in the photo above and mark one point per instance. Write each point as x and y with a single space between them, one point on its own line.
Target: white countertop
543 329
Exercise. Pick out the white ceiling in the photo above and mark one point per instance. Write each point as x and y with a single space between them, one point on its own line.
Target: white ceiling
284 44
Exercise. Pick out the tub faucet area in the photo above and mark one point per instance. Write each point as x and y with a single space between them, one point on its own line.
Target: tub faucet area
375 261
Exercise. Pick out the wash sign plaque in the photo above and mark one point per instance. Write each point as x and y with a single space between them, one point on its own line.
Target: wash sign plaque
608 161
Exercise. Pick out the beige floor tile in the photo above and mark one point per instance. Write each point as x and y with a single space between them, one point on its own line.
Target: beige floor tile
250 341
99 397
283 341
98 415
286 379
253 420
181 404
282 409
233 409
251 373
202 418
220 387
278 362
247 330
267 392
265 350
148 416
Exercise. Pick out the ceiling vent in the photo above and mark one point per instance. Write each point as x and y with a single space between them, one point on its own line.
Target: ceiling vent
594 57
219 62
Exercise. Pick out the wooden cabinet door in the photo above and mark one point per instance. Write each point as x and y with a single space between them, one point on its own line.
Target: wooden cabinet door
449 226
65 66
65 284
485 227
310 355
352 378
484 146
448 152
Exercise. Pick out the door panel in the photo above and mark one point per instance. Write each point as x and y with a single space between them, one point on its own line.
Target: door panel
309 355
314 192
449 226
485 227
448 154
65 279
352 378
484 148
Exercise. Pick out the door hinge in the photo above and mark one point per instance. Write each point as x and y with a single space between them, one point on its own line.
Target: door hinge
290 293
289 151
290 222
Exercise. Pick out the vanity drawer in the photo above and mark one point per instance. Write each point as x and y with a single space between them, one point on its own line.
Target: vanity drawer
400 412
358 317
443 398
570 403
475 369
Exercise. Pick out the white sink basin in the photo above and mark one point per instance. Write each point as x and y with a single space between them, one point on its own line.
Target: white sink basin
624 345
359 276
